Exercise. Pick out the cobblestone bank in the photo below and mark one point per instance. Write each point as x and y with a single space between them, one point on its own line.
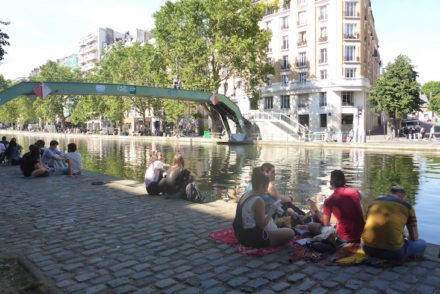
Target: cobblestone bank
83 238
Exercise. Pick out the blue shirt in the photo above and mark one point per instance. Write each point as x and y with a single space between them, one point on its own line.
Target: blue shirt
48 156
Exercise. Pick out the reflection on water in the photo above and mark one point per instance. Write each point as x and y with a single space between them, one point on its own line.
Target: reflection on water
301 172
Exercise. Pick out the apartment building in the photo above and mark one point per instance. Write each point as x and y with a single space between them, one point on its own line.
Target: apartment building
70 61
92 45
326 60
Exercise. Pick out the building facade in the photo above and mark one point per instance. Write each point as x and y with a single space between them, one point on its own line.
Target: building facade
326 59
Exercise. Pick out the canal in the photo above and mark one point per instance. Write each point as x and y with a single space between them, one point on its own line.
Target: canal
301 172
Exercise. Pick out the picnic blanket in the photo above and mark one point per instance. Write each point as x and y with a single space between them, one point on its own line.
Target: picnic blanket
227 236
348 254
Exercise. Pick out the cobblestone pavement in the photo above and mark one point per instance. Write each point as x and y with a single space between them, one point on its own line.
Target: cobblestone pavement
82 238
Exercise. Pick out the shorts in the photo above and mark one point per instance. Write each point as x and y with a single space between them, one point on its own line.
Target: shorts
254 237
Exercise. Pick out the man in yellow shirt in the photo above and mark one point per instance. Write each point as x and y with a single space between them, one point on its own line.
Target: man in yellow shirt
383 234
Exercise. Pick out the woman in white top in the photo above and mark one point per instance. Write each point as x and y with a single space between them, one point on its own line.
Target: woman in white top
252 226
153 174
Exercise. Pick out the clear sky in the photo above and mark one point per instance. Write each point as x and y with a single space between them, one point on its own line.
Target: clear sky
50 29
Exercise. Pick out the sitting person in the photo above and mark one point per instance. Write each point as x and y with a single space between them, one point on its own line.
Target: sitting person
12 153
252 226
153 174
55 159
40 143
383 235
75 159
31 163
176 178
345 205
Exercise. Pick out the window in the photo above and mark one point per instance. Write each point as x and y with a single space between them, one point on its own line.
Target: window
285 101
323 55
347 119
302 40
350 9
285 79
268 23
302 77
323 99
285 44
269 60
350 52
323 120
302 2
268 102
303 119
285 64
269 48
302 59
302 19
347 99
303 101
351 31
285 23
350 72
323 13
323 74
323 34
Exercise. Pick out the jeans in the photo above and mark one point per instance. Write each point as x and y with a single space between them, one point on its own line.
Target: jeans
409 248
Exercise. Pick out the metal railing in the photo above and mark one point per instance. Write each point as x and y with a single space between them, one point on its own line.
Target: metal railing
266 115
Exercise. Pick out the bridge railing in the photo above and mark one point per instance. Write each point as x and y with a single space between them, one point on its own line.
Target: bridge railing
270 115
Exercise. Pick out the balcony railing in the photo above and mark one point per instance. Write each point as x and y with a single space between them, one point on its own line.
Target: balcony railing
300 24
354 36
285 66
351 58
301 42
284 27
285 47
323 17
323 61
322 38
301 63
351 14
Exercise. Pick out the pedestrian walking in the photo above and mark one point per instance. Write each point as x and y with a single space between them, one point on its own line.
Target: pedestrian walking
432 133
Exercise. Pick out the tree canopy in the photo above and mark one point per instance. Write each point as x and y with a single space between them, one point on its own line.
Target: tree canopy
432 91
396 91
205 42
3 41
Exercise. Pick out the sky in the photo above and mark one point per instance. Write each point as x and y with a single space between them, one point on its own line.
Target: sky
49 29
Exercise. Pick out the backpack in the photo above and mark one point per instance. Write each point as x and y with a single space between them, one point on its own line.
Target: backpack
193 193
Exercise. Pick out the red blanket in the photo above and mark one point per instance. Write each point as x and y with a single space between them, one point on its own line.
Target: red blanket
227 236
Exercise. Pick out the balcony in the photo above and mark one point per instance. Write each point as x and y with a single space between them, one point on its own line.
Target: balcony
269 50
285 47
351 59
301 64
322 39
301 42
351 14
354 36
323 61
301 24
284 27
285 66
323 17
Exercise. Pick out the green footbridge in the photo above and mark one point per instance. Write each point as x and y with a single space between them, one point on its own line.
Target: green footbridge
217 102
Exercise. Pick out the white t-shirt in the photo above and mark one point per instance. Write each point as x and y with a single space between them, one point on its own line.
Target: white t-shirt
248 215
153 171
76 160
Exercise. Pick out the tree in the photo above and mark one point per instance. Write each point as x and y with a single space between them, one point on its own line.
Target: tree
432 90
206 42
396 91
53 106
3 41
135 65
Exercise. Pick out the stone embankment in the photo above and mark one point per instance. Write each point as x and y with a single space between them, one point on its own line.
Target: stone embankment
79 237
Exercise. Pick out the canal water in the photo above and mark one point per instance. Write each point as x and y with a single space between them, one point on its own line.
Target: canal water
301 172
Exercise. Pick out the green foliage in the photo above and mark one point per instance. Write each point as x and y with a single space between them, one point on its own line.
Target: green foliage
135 65
3 41
205 42
52 107
174 109
396 91
432 90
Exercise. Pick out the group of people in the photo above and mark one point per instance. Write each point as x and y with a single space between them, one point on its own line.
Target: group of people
175 182
381 235
41 161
